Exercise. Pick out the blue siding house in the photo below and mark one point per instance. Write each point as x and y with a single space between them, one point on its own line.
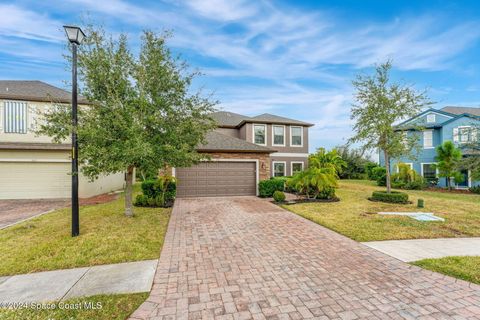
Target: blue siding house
449 123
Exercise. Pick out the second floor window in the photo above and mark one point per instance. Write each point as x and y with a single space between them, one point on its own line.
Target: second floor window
15 114
278 135
259 132
431 118
428 139
297 136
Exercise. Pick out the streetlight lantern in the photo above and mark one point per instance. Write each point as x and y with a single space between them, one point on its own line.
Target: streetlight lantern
75 35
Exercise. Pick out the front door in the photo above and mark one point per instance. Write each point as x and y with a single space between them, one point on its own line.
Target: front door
464 183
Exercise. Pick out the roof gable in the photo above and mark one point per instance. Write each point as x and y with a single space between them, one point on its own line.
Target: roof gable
424 113
34 90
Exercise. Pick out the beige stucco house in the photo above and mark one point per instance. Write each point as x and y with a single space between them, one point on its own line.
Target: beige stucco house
31 166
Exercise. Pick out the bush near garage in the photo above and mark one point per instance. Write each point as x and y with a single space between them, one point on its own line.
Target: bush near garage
266 188
279 196
157 193
392 197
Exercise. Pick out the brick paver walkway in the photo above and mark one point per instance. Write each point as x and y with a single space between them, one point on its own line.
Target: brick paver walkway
245 258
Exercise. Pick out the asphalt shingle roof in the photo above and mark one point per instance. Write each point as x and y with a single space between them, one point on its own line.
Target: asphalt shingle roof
271 118
462 110
217 141
231 119
34 90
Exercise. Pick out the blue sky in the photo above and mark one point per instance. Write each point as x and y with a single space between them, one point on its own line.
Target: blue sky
291 58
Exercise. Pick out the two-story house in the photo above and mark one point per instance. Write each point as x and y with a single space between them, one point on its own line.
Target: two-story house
31 166
447 124
243 151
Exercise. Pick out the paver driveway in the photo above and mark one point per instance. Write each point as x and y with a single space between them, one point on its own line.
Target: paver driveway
243 258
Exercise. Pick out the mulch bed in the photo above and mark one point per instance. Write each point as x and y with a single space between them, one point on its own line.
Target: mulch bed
101 198
461 191
296 201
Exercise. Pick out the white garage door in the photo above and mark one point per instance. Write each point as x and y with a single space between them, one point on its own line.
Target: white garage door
30 180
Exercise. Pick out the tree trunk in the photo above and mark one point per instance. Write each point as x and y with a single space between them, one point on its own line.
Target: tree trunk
449 183
387 168
128 192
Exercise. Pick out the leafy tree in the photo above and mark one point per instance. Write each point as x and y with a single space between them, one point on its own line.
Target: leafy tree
143 113
448 159
330 160
357 165
379 104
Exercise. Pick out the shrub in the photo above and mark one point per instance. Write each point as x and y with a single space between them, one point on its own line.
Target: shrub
475 189
381 176
279 196
393 197
266 188
157 193
327 193
376 173
408 179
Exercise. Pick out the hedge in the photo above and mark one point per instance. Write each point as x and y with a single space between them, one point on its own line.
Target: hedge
266 188
392 197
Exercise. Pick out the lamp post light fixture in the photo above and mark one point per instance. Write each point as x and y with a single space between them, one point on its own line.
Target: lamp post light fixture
76 36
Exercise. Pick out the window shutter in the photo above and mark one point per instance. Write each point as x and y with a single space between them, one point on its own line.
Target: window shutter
455 134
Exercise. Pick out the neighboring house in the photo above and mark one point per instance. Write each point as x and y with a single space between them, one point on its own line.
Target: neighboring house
243 151
447 124
32 167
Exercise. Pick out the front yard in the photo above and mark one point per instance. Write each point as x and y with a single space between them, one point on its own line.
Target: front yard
113 307
466 268
355 216
106 236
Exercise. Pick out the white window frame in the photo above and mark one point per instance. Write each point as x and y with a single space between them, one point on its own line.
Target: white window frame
460 133
424 145
421 168
429 118
284 168
407 163
284 135
291 136
296 162
253 133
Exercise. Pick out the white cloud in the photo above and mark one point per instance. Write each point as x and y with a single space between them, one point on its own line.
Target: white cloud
223 10
23 23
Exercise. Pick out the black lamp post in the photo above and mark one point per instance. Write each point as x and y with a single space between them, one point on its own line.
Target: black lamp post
75 35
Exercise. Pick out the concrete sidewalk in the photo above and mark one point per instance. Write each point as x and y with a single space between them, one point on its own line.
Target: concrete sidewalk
418 249
130 277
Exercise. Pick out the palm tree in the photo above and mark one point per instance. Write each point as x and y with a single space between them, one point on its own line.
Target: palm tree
327 159
448 158
313 181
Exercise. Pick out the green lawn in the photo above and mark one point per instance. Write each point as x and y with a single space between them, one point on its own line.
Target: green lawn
355 216
113 307
106 236
466 268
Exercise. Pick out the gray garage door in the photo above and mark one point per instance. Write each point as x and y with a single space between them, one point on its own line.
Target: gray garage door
211 179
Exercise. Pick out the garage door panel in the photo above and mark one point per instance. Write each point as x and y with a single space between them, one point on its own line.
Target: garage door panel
217 179
29 180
